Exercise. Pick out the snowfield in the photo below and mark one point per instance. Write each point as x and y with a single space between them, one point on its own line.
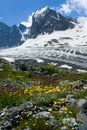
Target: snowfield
69 46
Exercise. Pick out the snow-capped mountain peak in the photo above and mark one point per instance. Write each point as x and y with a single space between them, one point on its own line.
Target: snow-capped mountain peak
41 12
47 20
43 21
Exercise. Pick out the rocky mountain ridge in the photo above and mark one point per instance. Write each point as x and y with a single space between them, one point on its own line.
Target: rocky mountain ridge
47 20
44 20
10 36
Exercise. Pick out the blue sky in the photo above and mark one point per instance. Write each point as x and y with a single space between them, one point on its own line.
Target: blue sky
16 11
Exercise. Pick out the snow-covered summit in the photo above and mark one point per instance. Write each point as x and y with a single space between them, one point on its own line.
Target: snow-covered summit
47 20
41 11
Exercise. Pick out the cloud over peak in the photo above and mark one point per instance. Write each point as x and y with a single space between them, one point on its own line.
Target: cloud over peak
79 6
27 23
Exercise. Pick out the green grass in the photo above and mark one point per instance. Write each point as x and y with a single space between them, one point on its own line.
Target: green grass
13 76
82 94
34 124
51 69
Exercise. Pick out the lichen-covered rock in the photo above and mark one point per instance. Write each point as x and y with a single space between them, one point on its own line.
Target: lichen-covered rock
7 125
83 127
44 114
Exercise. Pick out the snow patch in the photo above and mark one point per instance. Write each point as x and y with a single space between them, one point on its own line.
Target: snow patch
9 59
23 34
39 60
81 71
52 63
66 66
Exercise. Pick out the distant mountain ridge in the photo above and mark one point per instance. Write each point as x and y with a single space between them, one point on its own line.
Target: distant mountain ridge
11 36
44 20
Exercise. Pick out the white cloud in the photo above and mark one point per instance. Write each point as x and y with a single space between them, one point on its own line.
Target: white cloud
82 21
77 6
80 6
27 23
65 8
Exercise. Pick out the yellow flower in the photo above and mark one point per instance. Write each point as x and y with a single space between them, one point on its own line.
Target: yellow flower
55 103
58 102
16 92
50 109
65 108
25 90
49 91
67 100
57 89
31 94
10 93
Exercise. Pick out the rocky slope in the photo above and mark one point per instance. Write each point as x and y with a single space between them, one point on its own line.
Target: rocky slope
42 99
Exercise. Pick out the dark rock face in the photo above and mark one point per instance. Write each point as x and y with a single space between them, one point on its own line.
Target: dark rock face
10 36
84 108
48 22
22 27
15 36
4 34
